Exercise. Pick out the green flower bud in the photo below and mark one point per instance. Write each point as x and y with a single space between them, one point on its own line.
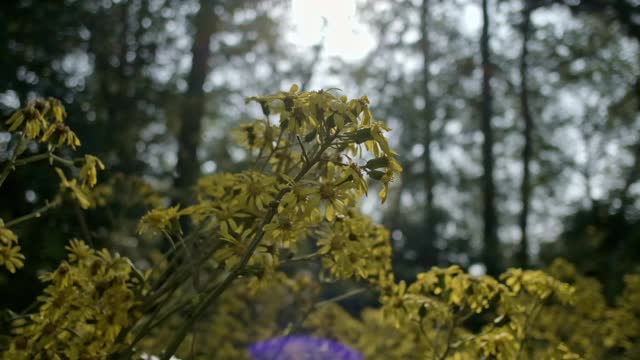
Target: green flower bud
265 108
288 103
363 135
375 174
377 163
310 136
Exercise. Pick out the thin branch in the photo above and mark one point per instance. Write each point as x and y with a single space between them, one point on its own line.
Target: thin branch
10 165
84 228
210 298
31 159
301 258
452 325
319 305
35 214
304 152
266 162
533 313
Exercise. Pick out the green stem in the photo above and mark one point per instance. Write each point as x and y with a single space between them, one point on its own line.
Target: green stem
300 259
533 312
320 304
266 162
304 151
63 161
15 162
35 214
211 298
10 165
158 300
445 353
30 159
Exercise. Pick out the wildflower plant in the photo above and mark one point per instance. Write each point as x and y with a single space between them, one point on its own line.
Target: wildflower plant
227 280
43 122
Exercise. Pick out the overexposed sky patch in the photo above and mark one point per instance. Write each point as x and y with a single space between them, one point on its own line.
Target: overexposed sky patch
471 19
334 22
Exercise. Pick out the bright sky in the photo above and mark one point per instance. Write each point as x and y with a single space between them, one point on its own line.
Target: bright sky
345 36
334 20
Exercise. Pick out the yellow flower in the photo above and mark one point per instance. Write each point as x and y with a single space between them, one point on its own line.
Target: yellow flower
7 237
334 194
78 250
255 190
89 171
284 230
236 247
159 220
60 134
11 258
75 190
56 107
256 135
34 122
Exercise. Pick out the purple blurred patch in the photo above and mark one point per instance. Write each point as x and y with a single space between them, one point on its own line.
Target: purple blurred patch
302 348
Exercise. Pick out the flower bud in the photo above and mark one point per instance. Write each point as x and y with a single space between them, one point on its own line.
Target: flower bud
310 136
377 175
265 108
363 135
377 163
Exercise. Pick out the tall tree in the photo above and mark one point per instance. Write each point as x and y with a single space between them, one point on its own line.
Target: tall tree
431 255
525 187
193 106
490 250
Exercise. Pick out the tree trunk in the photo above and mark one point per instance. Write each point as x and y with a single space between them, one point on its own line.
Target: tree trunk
634 172
193 105
490 251
430 256
522 255
618 255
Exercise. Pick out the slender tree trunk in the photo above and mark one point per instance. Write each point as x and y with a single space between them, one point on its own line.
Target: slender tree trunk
634 172
490 251
617 258
522 255
193 106
125 96
430 256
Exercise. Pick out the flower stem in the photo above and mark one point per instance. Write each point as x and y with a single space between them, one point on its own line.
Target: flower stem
35 214
210 298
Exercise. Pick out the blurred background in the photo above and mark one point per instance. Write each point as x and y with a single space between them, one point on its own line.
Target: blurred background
517 121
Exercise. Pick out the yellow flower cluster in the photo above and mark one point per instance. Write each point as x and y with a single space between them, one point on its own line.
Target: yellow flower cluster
43 120
308 185
320 118
528 315
590 327
353 246
10 256
159 220
537 284
88 301
226 281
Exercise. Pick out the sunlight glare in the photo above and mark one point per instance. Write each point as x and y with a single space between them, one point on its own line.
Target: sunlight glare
334 22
